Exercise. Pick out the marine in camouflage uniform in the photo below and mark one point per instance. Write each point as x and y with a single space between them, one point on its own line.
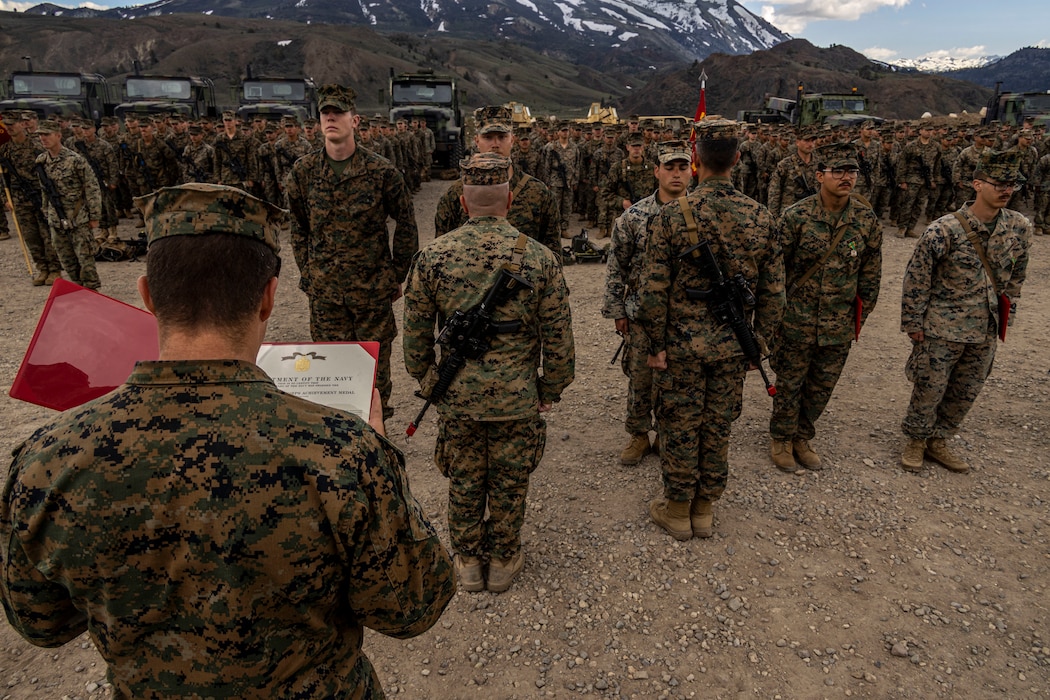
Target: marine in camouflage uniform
289 148
604 164
266 160
630 236
153 164
533 211
491 435
885 180
699 365
918 165
869 150
235 163
561 173
1040 185
198 158
102 158
340 198
949 309
526 159
830 291
229 540
966 164
793 178
631 179
18 161
748 165
1028 158
78 193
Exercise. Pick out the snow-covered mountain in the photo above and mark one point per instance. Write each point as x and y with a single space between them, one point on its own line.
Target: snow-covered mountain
943 64
688 29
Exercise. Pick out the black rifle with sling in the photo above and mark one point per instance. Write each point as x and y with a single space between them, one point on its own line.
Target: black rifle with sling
95 167
466 335
53 196
235 163
729 298
21 183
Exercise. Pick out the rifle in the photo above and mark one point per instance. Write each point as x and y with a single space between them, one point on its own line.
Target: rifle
22 184
181 157
865 169
891 171
804 187
623 341
925 174
95 167
728 298
235 162
143 166
53 196
466 336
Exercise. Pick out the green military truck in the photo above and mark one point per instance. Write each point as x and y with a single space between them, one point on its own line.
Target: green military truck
1014 107
812 109
193 97
436 99
274 98
55 94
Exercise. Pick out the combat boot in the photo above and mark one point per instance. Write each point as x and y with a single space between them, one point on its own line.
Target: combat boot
636 449
701 517
40 278
672 516
5 236
52 277
780 451
911 460
805 455
468 571
112 237
937 450
503 571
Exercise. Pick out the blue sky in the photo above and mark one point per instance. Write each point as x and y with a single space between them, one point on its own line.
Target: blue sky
893 29
880 29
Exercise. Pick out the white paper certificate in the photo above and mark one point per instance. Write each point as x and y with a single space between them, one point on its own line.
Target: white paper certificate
337 375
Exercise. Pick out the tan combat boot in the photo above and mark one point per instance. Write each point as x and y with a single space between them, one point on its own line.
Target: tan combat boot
40 278
780 451
112 237
52 277
672 516
937 450
805 455
503 571
468 571
911 460
701 517
637 448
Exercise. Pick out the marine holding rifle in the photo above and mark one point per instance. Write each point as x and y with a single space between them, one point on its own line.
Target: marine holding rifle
491 431
697 352
833 264
793 178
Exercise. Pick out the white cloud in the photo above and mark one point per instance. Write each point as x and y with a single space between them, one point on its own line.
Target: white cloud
792 16
878 53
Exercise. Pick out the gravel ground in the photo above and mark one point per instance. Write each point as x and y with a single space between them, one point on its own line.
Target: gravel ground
857 581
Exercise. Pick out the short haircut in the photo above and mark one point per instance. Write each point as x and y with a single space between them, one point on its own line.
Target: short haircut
213 281
717 154
486 199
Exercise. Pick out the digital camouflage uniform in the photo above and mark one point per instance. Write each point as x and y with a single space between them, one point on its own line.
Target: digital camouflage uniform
604 164
228 541
533 211
630 181
962 173
917 168
1040 184
198 163
819 319
791 181
152 166
102 158
868 158
630 236
948 297
528 162
350 269
235 162
81 199
490 434
699 395
27 197
750 156
561 174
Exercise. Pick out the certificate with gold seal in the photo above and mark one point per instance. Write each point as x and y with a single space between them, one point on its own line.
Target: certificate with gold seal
337 375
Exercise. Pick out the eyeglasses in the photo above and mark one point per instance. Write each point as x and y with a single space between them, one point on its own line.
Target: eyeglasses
1003 186
840 173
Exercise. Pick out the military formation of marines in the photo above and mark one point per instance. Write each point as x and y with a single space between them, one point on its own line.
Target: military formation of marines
770 248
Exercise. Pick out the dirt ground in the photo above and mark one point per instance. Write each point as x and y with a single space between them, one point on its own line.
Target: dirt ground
857 581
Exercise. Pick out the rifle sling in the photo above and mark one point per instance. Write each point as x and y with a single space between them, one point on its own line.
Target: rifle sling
690 224
820 263
975 241
519 252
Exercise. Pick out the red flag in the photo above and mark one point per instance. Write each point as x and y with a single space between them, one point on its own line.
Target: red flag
701 112
4 136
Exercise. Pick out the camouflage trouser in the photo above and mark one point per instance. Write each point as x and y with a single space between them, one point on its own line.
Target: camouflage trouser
963 195
563 198
948 377
588 206
76 251
806 376
4 226
910 205
37 237
109 209
640 382
488 465
880 200
942 199
695 409
608 209
1042 210
358 322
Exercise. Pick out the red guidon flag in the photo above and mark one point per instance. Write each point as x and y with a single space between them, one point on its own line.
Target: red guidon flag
701 112
4 136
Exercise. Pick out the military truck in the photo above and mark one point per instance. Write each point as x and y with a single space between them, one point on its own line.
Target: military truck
436 99
193 97
1014 107
53 94
274 98
812 109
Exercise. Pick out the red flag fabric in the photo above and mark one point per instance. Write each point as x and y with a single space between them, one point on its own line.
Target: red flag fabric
701 112
4 136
